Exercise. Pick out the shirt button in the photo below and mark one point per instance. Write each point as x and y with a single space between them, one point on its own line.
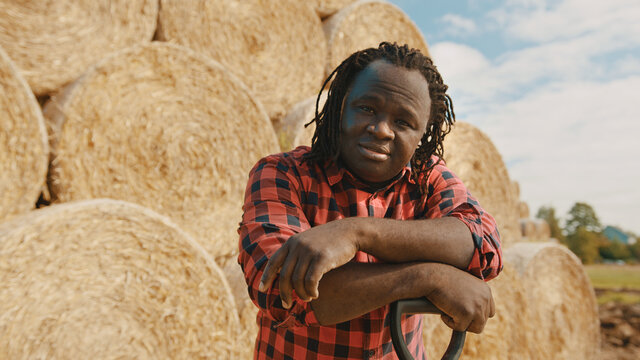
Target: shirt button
369 353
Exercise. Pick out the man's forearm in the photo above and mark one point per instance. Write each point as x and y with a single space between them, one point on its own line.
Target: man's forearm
446 240
355 289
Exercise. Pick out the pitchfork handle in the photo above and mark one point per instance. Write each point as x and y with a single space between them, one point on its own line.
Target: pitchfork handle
420 306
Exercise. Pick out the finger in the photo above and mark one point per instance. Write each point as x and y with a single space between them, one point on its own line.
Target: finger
492 308
476 326
285 280
299 274
447 320
273 267
312 279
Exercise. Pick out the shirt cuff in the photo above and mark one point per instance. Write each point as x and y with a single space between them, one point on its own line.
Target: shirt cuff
300 315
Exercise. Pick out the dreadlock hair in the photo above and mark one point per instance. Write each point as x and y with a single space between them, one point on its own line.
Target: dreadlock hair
326 138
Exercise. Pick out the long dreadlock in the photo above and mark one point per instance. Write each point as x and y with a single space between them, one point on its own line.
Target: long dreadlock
326 139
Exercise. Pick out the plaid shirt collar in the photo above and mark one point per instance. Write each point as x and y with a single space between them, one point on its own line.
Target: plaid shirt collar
336 171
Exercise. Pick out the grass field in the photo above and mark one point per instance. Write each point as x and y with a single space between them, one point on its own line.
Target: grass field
616 277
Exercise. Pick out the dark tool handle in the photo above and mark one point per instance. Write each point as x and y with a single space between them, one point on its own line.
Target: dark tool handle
420 306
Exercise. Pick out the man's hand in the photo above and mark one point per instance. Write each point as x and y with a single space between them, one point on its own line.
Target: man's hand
307 256
465 300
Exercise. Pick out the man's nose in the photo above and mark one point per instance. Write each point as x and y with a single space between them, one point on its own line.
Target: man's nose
381 128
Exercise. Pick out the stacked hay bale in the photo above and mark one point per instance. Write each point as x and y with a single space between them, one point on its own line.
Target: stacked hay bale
535 230
545 309
164 127
472 156
247 311
292 131
325 8
503 336
277 48
365 24
53 43
24 150
110 279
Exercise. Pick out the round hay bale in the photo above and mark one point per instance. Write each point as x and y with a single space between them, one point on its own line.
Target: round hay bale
562 310
523 210
276 47
516 188
292 131
366 24
472 156
325 8
164 127
502 338
535 230
110 279
24 150
53 43
246 308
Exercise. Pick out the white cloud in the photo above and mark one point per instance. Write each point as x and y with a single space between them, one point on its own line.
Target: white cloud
579 143
563 111
458 25
541 21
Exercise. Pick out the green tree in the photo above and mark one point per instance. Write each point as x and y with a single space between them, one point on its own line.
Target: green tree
582 215
615 250
586 244
548 214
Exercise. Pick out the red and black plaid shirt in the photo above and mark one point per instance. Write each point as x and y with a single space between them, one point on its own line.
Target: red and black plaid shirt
285 196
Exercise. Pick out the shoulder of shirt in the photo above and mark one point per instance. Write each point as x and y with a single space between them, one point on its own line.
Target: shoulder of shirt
285 161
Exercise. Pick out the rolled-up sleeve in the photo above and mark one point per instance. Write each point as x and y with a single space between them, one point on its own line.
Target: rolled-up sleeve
272 213
447 196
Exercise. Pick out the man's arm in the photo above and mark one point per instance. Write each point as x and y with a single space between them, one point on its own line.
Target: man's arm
456 231
355 289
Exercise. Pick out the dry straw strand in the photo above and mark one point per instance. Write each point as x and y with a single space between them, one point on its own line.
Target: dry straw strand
111 280
24 150
365 24
472 156
53 42
276 47
165 127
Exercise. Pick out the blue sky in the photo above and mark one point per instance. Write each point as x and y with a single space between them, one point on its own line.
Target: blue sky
556 85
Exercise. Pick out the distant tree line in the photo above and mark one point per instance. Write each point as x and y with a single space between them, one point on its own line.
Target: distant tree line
583 234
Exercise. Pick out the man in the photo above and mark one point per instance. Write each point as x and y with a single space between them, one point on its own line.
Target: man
368 215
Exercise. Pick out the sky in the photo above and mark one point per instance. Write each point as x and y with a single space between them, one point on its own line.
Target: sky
556 86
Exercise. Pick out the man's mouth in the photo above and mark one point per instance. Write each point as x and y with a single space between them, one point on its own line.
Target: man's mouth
373 152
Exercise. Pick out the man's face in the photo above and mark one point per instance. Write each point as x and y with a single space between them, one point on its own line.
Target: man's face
384 115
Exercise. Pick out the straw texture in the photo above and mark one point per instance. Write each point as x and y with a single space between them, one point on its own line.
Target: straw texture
291 130
365 24
53 42
545 309
473 157
523 210
326 8
246 309
24 151
277 48
110 280
504 334
164 127
562 310
535 230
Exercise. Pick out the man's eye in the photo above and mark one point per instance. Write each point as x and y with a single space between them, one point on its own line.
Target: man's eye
403 123
366 108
